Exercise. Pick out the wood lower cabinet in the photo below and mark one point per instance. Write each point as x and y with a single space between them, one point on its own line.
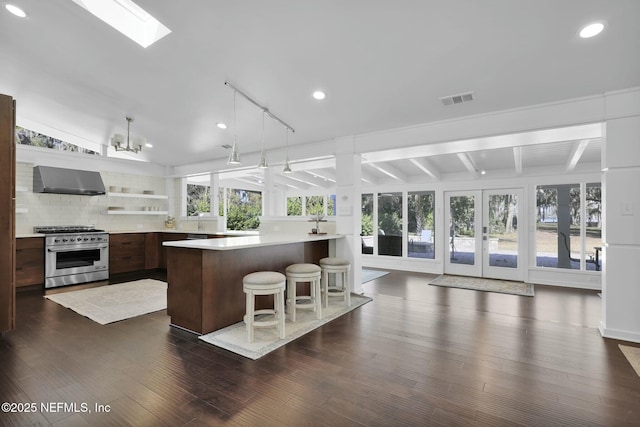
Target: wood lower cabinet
131 252
29 261
168 237
126 252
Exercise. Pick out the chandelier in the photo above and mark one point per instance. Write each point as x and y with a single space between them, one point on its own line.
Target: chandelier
117 140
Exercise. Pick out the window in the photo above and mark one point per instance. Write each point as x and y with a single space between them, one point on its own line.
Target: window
315 205
366 219
311 205
35 139
421 224
390 224
294 206
244 208
561 211
198 195
198 199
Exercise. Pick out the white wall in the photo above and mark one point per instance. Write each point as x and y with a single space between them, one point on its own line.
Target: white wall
621 270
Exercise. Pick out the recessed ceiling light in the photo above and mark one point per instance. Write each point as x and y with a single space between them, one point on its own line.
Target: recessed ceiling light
221 125
15 10
148 145
591 30
319 95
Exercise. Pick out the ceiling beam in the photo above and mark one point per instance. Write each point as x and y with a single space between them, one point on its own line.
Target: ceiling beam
576 154
517 159
389 171
368 178
468 163
427 167
325 175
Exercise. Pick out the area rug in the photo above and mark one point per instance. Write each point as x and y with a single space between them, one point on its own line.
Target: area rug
369 275
633 356
486 285
112 303
265 340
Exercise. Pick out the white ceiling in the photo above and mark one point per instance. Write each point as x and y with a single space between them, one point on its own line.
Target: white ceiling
383 65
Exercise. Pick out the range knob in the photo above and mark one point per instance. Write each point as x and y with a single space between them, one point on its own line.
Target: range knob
56 240
86 239
93 238
64 240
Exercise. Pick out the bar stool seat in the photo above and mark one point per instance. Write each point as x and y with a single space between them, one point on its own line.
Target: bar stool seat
264 283
337 266
303 273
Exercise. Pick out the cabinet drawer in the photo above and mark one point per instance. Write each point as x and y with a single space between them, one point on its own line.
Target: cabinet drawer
29 261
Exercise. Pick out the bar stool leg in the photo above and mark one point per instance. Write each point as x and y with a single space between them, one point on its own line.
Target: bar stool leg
281 313
250 315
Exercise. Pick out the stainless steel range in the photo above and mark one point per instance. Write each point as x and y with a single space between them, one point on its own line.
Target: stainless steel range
74 254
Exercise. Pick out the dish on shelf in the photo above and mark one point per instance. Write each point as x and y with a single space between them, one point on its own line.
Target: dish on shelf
125 189
114 189
148 192
116 208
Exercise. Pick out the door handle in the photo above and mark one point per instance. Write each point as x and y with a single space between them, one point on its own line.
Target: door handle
484 230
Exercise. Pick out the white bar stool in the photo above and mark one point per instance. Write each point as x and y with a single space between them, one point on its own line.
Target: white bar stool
303 273
264 283
337 266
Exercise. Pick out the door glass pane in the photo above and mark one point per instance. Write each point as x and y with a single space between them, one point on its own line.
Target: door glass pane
421 223
390 224
462 233
503 230
366 234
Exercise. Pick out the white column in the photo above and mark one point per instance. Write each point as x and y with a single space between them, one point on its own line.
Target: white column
621 230
348 194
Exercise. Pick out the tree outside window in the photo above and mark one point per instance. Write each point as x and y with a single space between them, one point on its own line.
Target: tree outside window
198 199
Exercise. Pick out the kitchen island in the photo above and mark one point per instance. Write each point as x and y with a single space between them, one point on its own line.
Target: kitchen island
205 276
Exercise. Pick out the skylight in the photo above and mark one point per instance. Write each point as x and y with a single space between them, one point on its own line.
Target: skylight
128 18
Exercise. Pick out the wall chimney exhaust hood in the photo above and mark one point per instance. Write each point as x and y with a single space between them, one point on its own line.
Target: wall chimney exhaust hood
47 179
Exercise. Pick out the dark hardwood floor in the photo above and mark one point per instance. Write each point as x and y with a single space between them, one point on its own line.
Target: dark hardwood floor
415 355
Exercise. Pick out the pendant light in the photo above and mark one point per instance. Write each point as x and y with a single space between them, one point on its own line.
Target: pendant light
234 157
287 167
263 156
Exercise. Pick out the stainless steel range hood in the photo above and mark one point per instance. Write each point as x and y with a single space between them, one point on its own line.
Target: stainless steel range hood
47 179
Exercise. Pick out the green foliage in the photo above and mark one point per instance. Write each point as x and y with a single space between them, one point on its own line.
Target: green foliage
243 209
390 213
420 212
367 225
294 206
198 199
315 205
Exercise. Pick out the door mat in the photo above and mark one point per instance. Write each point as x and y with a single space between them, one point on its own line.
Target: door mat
485 285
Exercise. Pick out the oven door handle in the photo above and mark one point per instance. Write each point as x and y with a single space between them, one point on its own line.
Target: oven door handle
71 248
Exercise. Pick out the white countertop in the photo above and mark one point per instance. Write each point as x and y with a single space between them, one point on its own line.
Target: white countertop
248 241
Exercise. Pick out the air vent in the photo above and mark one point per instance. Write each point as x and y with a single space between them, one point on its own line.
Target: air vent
226 146
457 99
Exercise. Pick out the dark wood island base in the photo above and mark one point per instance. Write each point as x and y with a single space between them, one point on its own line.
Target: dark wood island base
205 286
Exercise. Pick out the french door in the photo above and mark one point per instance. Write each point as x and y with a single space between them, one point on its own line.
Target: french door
484 235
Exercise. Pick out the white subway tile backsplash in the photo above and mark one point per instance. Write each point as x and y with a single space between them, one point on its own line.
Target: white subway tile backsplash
61 209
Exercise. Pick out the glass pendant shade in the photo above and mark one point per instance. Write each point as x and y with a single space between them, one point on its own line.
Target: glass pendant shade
234 157
287 167
264 164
